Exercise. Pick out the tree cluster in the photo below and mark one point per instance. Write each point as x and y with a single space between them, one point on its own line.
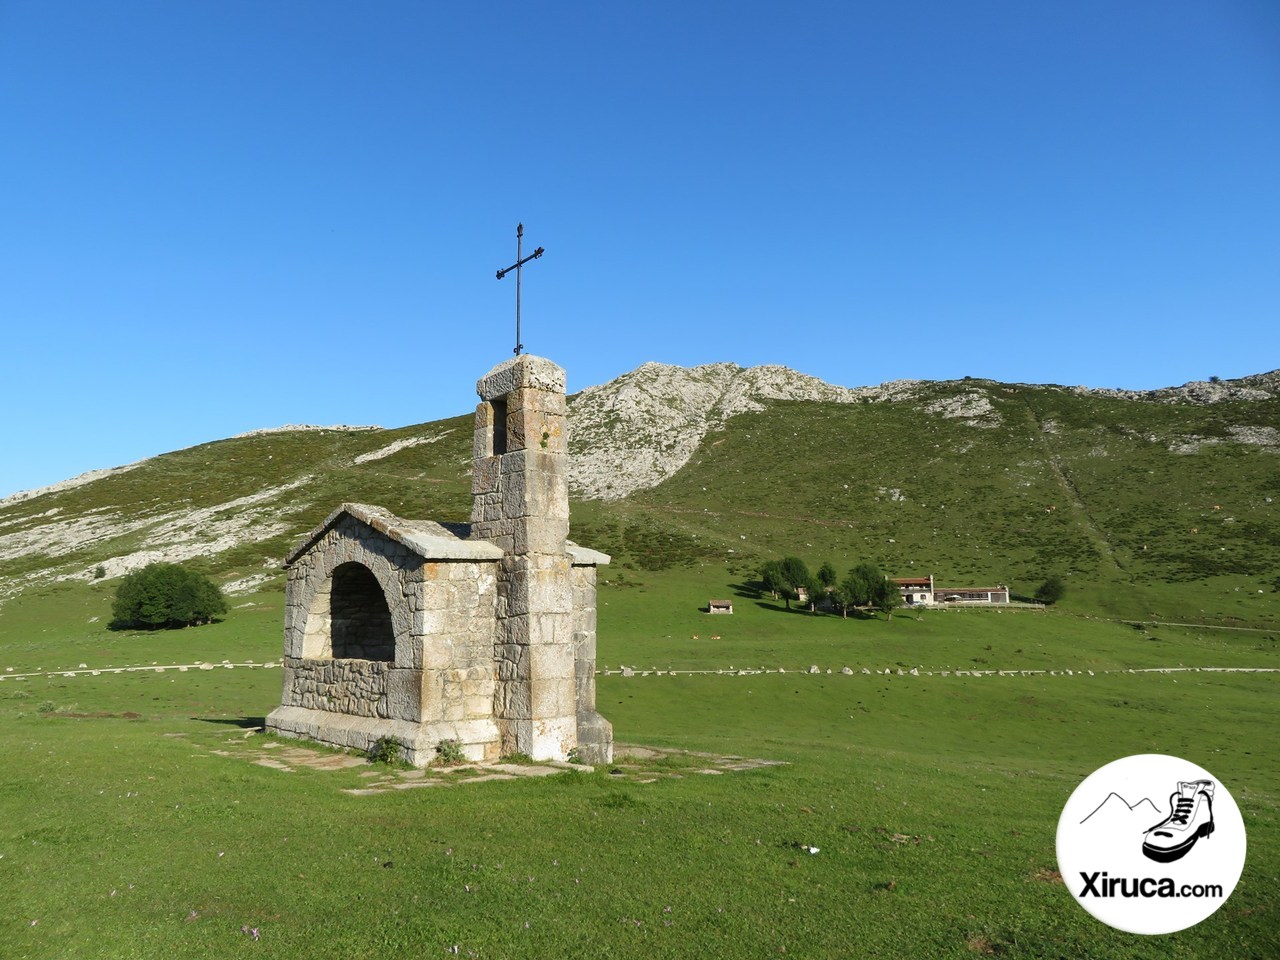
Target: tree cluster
864 586
165 595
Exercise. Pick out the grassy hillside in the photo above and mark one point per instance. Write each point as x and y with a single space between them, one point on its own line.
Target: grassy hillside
235 506
1151 510
1084 486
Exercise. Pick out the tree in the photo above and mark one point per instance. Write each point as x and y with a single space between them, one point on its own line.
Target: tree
165 595
771 578
887 597
1052 590
816 591
796 576
860 585
827 575
840 597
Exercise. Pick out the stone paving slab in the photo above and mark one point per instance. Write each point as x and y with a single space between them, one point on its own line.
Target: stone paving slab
273 764
530 770
408 785
633 762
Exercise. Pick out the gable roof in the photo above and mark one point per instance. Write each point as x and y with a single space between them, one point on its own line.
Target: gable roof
429 540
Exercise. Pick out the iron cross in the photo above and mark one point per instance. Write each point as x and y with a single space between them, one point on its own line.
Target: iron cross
520 262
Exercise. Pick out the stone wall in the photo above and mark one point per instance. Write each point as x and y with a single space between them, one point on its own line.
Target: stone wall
356 687
595 733
454 629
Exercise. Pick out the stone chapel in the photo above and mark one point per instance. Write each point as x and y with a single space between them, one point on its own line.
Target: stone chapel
483 633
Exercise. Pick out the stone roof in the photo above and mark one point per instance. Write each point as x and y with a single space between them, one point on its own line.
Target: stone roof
430 540
585 556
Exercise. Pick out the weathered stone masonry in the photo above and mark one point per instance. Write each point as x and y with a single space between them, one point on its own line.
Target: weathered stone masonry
482 634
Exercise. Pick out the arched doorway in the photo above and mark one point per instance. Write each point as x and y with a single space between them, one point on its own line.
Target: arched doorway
359 618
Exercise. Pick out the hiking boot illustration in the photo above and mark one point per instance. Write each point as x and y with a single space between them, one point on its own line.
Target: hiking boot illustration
1190 818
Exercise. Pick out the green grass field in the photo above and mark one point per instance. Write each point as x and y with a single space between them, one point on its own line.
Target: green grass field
933 800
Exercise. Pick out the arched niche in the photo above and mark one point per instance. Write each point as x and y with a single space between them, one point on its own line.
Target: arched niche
349 618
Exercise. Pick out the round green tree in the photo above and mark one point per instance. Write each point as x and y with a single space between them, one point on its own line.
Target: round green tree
165 595
1052 590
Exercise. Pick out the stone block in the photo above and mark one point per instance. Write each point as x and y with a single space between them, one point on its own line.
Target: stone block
522 372
401 621
551 662
514 498
517 736
484 476
551 630
409 651
585 686
553 738
514 462
547 404
511 661
404 695
595 737
512 701
431 698
540 535
549 593
584 615
538 460
482 436
537 494
437 652
584 645
293 642
538 429
553 698
524 428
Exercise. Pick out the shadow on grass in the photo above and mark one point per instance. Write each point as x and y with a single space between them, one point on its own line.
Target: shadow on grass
777 606
244 723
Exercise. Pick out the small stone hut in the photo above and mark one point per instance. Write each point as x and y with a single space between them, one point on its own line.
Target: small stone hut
481 633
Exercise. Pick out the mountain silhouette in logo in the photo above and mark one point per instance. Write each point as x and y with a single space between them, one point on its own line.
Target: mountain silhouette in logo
1119 812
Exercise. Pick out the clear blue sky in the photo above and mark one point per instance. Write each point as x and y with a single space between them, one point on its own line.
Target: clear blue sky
217 216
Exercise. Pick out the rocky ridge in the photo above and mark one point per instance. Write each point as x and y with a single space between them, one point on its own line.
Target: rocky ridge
634 432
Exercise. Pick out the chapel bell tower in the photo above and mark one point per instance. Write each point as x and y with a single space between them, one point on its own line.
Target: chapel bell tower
520 502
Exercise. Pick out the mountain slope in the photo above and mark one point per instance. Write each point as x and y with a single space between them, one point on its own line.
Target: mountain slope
972 480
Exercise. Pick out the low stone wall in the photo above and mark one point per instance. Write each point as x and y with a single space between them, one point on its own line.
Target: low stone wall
354 687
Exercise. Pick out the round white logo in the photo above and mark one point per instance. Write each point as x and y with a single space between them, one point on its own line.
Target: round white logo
1151 844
